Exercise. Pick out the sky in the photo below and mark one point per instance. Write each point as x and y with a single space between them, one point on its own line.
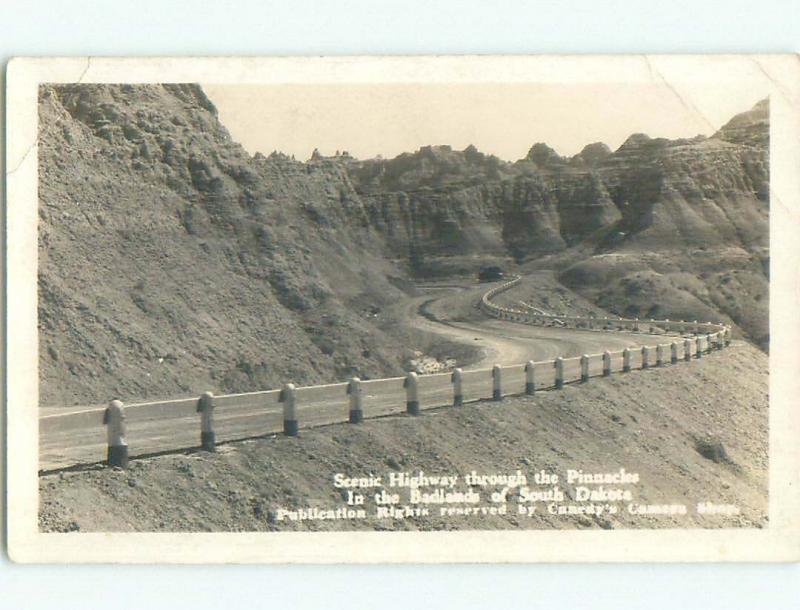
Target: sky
503 119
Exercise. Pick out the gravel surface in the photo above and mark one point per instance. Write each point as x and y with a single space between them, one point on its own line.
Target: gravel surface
692 433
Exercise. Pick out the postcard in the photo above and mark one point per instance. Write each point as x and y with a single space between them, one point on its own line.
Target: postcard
403 309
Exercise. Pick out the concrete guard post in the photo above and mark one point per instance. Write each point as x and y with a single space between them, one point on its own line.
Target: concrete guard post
114 420
584 368
687 349
606 363
720 339
205 407
659 355
354 391
709 343
645 357
458 390
530 381
673 353
636 325
559 366
412 394
287 397
497 386
652 328
696 330
727 337
626 360
698 347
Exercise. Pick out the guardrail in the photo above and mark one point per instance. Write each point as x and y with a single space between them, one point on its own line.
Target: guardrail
96 435
529 315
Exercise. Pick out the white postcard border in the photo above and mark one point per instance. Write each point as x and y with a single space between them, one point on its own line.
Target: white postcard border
779 541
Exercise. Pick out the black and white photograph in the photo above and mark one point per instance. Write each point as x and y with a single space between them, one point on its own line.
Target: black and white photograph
419 295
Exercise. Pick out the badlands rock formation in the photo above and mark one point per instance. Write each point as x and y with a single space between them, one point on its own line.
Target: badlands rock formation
170 259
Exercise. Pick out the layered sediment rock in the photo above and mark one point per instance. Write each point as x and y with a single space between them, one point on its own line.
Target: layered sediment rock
171 259
687 219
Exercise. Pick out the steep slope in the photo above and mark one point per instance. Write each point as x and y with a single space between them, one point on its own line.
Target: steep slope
694 234
750 128
651 423
677 229
171 261
450 210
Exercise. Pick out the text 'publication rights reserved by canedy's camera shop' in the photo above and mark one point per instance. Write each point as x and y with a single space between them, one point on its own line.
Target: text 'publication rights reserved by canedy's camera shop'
421 494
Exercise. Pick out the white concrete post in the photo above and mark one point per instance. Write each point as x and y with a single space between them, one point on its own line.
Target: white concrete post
636 325
727 337
606 363
626 360
659 355
286 396
673 353
458 391
559 366
708 343
687 349
584 368
698 346
114 420
645 356
696 328
356 415
412 394
497 390
530 381
205 406
652 328
720 339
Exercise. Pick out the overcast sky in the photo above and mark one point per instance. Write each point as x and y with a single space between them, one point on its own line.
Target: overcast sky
500 119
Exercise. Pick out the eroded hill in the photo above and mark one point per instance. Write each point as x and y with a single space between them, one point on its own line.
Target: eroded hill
172 262
658 228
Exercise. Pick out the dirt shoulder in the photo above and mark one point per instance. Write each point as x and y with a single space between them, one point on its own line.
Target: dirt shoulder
691 433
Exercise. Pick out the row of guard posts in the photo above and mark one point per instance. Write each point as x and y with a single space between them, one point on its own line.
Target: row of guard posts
114 415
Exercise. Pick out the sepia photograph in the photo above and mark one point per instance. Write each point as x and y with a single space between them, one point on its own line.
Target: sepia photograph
486 296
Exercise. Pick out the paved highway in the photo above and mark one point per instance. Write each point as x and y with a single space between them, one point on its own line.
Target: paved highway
77 435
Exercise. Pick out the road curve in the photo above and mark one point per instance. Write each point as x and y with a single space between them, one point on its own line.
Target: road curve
508 343
69 437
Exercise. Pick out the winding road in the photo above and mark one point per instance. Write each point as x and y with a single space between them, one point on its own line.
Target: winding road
509 343
75 436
